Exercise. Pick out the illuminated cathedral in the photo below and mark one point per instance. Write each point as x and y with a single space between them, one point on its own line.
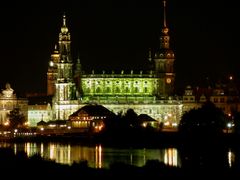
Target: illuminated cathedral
150 93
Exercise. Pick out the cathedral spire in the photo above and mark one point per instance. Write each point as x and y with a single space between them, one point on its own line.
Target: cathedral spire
164 59
64 20
164 14
64 28
64 42
164 29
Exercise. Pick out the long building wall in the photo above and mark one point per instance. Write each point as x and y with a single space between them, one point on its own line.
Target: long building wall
119 86
166 112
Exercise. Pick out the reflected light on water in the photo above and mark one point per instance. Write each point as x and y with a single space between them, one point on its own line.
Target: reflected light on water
98 156
171 157
52 151
60 153
15 148
41 150
30 148
231 158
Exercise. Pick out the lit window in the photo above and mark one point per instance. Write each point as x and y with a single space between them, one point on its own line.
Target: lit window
51 64
145 90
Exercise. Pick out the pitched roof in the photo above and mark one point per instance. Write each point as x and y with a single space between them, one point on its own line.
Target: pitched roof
41 123
145 117
94 110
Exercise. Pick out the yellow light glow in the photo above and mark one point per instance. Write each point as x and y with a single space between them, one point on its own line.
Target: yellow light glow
98 154
166 123
51 64
170 157
231 158
6 123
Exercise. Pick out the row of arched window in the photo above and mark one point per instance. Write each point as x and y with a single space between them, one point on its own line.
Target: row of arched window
126 90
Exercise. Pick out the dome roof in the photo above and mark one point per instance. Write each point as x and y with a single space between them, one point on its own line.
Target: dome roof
64 29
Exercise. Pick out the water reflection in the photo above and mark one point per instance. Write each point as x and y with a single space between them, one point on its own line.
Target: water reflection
231 158
171 157
98 156
102 157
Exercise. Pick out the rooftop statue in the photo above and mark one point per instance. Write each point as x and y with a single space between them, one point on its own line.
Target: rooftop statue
8 92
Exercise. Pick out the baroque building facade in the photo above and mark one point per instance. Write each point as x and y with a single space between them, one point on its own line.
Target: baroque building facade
9 101
145 92
224 95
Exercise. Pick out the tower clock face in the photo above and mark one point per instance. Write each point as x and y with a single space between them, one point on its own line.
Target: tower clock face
168 80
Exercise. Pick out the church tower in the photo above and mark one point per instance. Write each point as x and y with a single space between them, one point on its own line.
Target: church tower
65 88
52 72
164 61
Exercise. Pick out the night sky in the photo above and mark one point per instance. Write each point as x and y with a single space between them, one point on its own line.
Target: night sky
116 35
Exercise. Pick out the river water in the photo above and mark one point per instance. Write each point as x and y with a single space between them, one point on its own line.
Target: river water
99 156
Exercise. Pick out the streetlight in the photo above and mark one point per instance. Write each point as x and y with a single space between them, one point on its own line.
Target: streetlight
229 127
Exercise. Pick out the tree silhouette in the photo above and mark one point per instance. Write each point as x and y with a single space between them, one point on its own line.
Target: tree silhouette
16 118
203 147
205 121
131 118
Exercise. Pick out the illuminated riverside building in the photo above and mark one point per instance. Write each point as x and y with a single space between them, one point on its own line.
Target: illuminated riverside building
145 92
9 101
37 113
224 95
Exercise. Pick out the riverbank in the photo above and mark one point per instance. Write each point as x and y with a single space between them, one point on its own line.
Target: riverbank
134 139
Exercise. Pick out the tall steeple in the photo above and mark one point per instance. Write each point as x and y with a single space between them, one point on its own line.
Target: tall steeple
64 42
164 14
64 28
164 60
165 38
65 93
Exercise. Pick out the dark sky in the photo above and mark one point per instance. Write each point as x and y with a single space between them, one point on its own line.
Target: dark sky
116 35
